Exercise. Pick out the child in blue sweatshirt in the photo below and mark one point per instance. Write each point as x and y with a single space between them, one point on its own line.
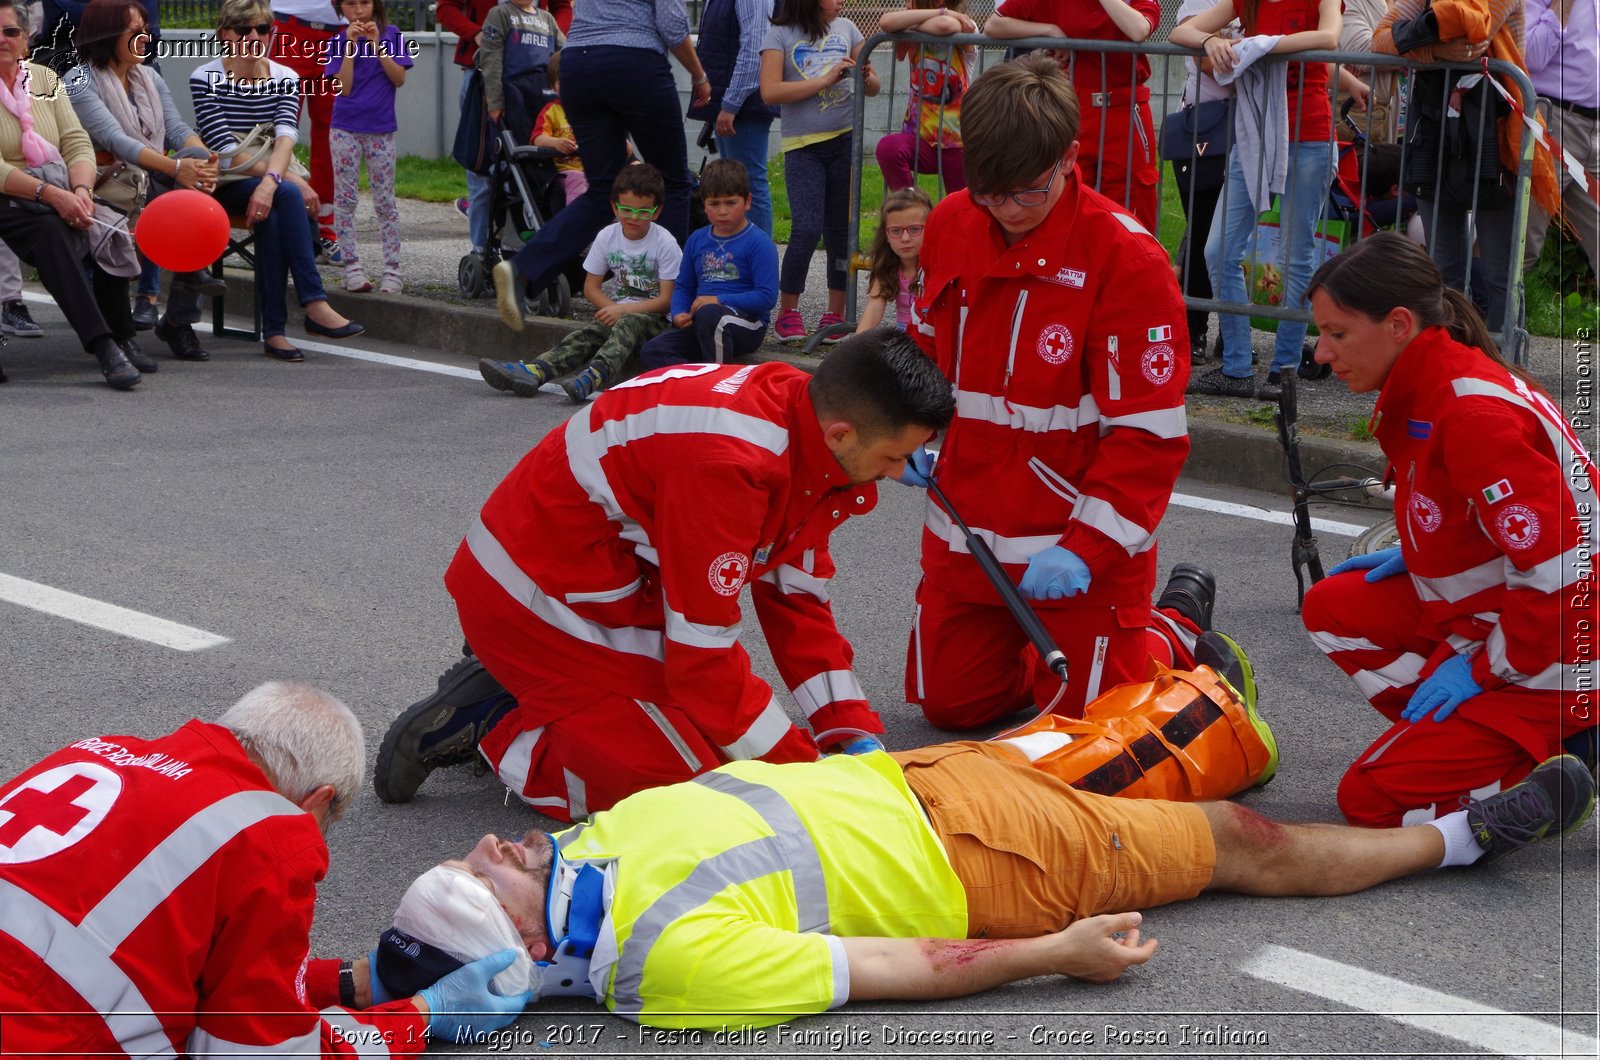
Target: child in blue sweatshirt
727 282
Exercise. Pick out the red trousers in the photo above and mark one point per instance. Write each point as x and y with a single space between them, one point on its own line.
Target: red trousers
300 48
1417 771
969 664
1125 169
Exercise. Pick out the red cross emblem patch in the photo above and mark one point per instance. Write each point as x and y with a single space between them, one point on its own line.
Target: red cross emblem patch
1425 512
52 811
727 572
1055 344
1518 525
1157 364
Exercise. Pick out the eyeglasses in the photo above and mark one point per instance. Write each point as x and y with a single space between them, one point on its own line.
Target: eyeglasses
1025 197
638 213
901 231
263 29
11 32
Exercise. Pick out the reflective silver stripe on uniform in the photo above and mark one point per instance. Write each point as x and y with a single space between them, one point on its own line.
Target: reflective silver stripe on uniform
674 737
789 849
1553 574
607 596
1016 325
1163 423
841 971
308 1044
1175 633
696 635
1113 376
1128 222
1092 511
1332 642
792 581
1005 549
992 408
1453 588
571 835
577 795
830 686
516 761
1553 678
363 1038
763 734
1403 671
1053 480
1566 456
498 564
174 860
86 968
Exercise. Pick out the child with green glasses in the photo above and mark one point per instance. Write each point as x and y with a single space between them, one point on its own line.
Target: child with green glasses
643 261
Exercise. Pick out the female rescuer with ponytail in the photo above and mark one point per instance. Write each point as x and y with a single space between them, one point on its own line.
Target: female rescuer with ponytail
1475 637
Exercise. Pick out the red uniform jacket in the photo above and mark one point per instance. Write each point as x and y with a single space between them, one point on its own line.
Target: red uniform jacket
465 18
627 535
1495 500
1069 354
162 892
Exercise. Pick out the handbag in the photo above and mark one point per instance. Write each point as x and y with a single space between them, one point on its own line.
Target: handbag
476 143
254 147
1201 132
122 187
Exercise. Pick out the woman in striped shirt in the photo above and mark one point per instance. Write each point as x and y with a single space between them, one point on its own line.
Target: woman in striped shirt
232 95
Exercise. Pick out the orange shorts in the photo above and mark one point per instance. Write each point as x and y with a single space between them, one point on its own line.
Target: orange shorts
1035 854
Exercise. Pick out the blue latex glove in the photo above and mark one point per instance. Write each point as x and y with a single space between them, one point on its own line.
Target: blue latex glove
919 468
1055 574
461 1004
1446 688
380 993
1384 563
861 745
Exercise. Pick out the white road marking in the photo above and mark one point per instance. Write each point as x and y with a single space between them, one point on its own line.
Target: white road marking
1479 1026
1265 515
1184 500
102 615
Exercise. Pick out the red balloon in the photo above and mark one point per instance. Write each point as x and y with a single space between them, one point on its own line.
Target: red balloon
182 230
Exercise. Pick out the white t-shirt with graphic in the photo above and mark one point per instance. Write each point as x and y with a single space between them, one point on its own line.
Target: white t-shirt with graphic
636 266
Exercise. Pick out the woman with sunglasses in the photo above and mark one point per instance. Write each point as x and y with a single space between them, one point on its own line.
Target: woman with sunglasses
47 174
1474 637
1058 320
130 116
232 95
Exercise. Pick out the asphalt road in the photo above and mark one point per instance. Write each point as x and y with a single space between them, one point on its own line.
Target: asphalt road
306 513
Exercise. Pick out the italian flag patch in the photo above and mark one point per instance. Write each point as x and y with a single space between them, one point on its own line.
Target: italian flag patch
1161 334
1497 492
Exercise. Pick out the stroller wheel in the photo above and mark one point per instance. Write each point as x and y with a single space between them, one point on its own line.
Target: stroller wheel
555 300
472 277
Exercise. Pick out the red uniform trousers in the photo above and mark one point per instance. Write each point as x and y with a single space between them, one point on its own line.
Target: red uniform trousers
1127 175
301 48
1417 771
969 664
570 748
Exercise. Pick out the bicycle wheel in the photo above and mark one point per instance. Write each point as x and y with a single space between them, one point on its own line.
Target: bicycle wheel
1384 535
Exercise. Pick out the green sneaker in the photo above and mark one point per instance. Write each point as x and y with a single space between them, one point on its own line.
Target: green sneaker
1223 654
1554 799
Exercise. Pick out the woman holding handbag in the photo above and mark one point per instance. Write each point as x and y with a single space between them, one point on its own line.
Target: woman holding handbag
127 109
248 111
47 210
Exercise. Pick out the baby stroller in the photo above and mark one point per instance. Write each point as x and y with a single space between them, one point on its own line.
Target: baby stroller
524 193
1364 173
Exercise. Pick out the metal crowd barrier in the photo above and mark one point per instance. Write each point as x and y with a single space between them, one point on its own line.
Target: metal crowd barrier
1165 98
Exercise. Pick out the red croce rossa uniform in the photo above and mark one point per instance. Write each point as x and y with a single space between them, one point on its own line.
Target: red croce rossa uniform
601 584
1069 356
156 898
1495 501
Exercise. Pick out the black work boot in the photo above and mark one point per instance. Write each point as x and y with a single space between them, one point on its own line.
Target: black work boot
114 364
1192 592
442 730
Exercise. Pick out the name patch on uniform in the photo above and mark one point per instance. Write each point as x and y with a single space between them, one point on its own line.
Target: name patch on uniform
1497 492
727 573
1055 344
1157 363
1068 277
1425 512
732 384
1518 526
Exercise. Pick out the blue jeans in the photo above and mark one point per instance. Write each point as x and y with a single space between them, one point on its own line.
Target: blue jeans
283 247
611 94
477 191
1232 234
748 145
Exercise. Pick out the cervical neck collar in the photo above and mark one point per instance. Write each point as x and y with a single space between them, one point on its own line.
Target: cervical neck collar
572 923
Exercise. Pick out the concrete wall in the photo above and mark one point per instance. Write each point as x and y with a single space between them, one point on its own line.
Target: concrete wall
428 102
